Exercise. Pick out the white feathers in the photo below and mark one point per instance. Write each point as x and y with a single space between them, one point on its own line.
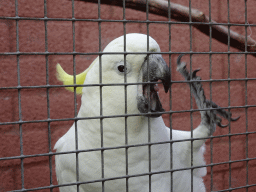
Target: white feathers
114 131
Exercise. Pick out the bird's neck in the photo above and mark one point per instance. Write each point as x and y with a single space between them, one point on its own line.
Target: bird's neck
108 120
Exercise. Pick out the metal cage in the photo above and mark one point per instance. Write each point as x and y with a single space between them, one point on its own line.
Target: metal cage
17 125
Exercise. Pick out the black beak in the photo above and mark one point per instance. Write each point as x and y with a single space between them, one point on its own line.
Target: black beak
153 69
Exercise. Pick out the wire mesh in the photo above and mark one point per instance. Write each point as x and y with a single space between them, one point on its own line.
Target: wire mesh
48 87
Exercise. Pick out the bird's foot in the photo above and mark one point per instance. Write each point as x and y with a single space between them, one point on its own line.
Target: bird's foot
210 110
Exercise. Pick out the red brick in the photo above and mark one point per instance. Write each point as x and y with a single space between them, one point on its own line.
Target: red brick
35 141
66 103
32 70
216 179
60 38
237 93
31 36
238 178
36 108
8 70
10 142
252 189
86 10
8 36
59 9
221 174
131 14
108 12
251 172
10 111
251 146
220 152
180 36
36 173
251 92
31 8
181 121
10 178
160 32
250 67
251 11
238 145
6 31
251 119
219 92
178 102
220 178
107 30
7 8
240 125
31 177
237 11
87 40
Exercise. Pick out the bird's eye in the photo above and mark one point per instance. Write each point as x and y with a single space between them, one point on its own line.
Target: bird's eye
121 68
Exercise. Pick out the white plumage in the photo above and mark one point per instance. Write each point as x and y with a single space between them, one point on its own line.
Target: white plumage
113 103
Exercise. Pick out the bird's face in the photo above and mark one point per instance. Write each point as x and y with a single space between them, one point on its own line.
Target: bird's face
140 70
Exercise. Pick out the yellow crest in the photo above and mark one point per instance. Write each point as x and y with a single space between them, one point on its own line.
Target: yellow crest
67 79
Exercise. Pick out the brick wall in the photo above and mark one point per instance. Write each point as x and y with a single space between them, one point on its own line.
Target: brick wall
33 71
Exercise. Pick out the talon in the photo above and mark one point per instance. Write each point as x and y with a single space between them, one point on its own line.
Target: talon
179 59
219 122
222 126
234 119
194 73
223 113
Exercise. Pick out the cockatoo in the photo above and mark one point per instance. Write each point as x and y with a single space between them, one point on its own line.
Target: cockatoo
118 123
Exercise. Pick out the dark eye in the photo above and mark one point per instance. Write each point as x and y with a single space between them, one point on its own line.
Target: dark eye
121 68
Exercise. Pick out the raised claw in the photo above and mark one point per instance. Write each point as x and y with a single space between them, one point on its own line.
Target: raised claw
210 116
218 122
194 73
179 59
235 119
222 126
221 112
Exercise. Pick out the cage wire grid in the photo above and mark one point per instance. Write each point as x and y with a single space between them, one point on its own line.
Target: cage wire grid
51 153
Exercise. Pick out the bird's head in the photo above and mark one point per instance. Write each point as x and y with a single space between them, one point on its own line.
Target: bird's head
140 68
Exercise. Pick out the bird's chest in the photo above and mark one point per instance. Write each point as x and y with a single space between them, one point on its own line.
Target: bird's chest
113 166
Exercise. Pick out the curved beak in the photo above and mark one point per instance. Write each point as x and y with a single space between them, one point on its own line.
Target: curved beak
153 69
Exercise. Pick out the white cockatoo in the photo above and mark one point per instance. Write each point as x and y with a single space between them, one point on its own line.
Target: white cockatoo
117 123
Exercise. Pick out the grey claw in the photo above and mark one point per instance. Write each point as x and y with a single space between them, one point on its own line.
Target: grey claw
210 117
194 73
179 59
222 126
235 119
